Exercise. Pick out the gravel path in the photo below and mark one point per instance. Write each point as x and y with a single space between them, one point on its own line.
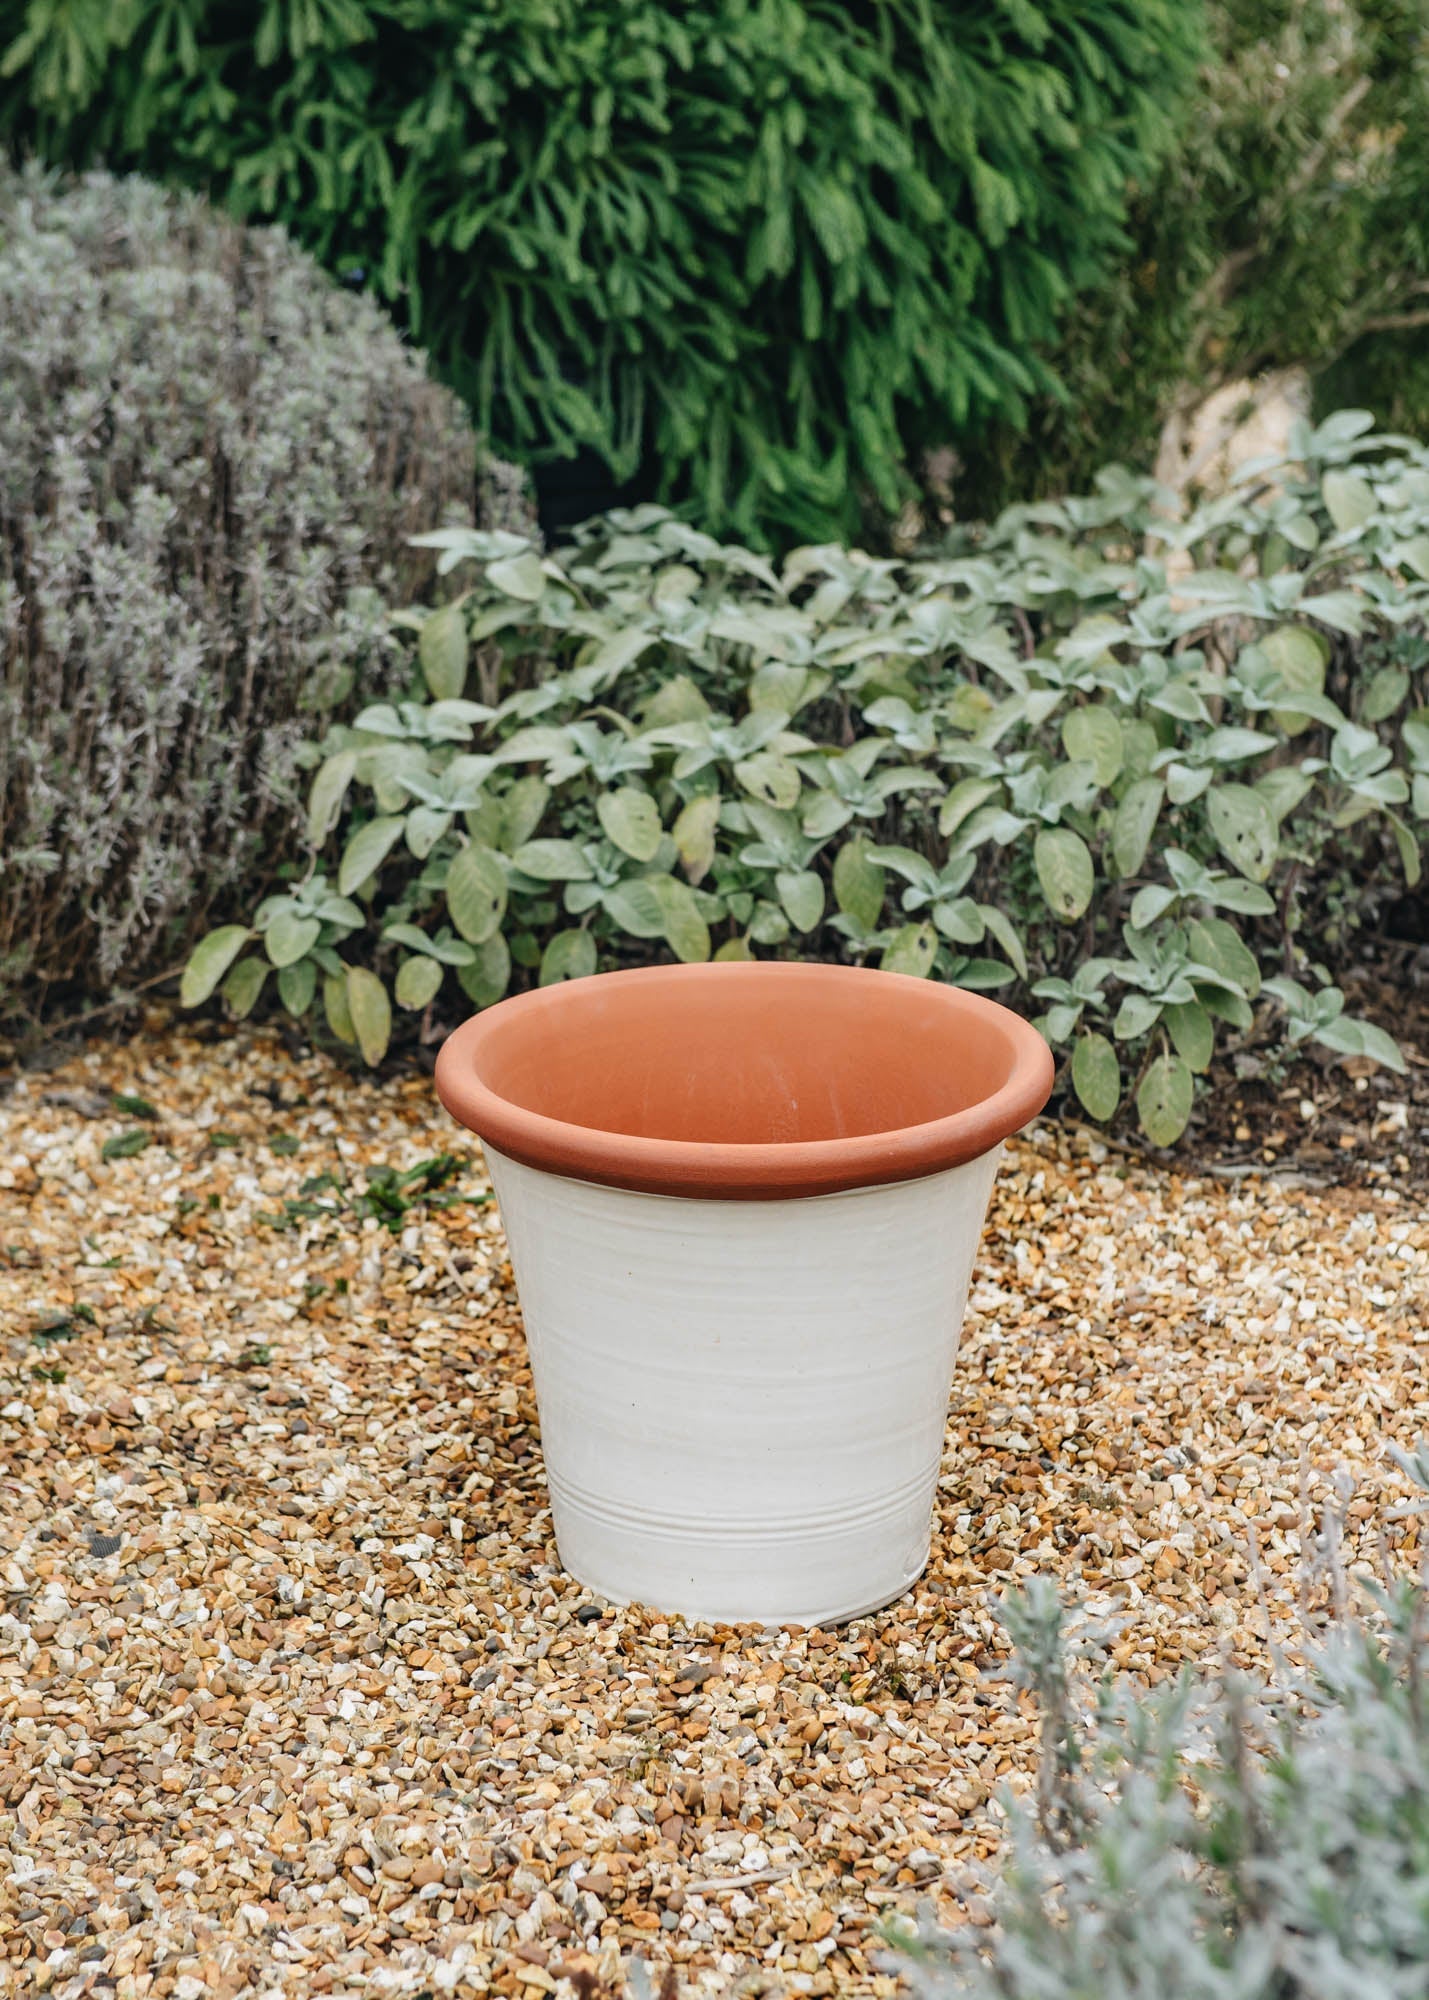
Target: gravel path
294 1698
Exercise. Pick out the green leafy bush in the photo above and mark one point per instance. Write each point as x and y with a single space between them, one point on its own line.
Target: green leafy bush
1285 229
1245 1842
1128 767
760 239
211 461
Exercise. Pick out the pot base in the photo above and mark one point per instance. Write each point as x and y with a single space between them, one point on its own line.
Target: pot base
725 1572
821 1618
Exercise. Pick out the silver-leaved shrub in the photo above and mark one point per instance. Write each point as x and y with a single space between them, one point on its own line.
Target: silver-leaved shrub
1146 774
1230 1839
211 461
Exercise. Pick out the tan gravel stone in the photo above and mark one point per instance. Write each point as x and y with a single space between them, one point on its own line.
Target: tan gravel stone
294 1696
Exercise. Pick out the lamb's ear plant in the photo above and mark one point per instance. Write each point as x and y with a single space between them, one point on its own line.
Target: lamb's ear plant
1227 1839
1144 776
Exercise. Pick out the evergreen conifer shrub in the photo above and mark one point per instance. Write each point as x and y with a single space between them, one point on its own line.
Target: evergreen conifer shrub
772 243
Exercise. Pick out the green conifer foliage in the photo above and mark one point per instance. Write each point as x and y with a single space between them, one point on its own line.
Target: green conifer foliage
769 245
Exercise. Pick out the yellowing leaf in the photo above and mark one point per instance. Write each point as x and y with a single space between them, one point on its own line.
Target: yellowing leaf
371 1013
209 960
339 1014
694 834
442 651
631 820
418 983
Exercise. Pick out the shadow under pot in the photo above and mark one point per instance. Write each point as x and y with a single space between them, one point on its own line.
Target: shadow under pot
743 1203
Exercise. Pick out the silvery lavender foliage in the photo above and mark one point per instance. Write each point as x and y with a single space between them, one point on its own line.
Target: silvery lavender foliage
1258 1842
210 459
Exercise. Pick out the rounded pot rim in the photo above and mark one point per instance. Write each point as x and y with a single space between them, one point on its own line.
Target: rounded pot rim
742 1170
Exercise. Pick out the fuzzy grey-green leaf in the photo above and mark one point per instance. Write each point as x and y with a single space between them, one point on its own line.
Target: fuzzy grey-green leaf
1164 1100
1093 735
518 576
1192 1032
1134 823
329 789
476 893
1064 868
1096 1075
442 652
859 884
1245 829
367 849
418 982
912 950
685 930
801 893
296 986
1349 499
289 935
209 961
631 820
569 955
486 979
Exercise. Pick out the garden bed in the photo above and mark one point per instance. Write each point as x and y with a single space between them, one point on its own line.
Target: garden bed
296 1694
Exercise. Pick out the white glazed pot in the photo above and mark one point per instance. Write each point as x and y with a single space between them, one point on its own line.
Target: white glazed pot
742 1360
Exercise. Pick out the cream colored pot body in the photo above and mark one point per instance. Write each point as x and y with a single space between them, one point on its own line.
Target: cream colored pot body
742 1403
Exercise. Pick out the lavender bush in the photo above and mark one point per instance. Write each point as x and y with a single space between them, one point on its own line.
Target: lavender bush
210 460
1236 1841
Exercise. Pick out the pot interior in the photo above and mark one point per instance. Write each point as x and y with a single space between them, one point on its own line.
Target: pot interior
752 1055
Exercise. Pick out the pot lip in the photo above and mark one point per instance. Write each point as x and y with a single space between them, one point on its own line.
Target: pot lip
753 1171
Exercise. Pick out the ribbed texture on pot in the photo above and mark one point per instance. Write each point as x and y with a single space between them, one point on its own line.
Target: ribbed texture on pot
743 1403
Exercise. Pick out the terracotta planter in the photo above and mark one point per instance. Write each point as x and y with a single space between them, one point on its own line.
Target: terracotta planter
743 1203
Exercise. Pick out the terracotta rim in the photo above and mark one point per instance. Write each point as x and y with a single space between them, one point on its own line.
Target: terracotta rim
564 1078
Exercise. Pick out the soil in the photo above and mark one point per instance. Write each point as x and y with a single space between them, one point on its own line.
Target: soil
1324 1118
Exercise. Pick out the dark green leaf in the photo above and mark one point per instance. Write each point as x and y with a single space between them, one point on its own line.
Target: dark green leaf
134 1107
124 1145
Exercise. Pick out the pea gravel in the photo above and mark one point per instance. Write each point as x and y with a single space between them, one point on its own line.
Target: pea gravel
294 1697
